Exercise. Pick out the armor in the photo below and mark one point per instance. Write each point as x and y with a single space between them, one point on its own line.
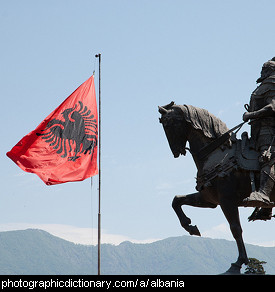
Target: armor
263 129
261 112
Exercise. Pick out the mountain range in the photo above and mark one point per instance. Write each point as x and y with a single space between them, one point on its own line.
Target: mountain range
33 251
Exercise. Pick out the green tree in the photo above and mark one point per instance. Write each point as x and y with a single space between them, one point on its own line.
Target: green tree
255 266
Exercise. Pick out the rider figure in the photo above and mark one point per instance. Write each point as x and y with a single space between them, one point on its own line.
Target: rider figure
261 112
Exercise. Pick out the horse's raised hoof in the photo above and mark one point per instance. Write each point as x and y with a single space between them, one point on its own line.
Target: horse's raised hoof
193 230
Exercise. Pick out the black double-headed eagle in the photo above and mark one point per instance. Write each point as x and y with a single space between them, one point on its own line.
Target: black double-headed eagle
76 133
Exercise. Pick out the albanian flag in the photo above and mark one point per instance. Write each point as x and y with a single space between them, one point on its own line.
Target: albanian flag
63 148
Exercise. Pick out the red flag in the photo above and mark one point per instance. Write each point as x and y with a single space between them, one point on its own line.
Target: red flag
63 148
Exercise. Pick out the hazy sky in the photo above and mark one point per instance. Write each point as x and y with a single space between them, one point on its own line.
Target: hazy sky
204 53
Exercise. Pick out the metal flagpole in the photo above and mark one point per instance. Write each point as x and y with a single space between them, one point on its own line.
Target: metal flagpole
99 166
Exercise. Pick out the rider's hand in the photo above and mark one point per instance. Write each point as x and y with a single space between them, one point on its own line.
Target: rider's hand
246 117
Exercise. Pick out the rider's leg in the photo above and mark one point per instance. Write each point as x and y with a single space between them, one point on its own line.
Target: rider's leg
261 198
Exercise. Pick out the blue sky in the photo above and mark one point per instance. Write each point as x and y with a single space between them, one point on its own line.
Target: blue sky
204 53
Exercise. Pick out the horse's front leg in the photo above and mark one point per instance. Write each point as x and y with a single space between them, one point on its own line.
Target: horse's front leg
194 200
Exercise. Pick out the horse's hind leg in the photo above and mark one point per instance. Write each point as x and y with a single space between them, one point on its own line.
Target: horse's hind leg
231 213
194 200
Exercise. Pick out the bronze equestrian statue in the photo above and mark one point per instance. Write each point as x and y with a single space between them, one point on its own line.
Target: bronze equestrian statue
231 172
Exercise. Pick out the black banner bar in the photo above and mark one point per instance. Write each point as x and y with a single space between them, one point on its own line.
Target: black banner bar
111 283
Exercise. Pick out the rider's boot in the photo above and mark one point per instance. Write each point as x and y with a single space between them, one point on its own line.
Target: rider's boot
261 198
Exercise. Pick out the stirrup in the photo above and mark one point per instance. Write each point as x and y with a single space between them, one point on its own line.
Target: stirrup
258 199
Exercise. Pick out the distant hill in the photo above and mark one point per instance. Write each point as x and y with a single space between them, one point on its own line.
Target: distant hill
35 251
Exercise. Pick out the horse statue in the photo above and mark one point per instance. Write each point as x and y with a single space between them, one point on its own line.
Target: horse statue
228 168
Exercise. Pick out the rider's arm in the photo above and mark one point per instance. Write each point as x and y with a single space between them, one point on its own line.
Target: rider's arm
266 111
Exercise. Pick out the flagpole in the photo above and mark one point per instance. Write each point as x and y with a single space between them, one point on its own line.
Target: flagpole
99 165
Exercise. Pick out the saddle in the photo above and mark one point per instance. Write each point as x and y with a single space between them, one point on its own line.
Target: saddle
247 157
223 160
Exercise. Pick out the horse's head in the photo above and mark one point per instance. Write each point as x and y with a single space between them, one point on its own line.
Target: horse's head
175 127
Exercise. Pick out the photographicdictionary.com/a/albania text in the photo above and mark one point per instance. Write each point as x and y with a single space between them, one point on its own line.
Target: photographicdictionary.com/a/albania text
46 284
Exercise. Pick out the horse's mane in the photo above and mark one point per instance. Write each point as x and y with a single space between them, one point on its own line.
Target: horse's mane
201 119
